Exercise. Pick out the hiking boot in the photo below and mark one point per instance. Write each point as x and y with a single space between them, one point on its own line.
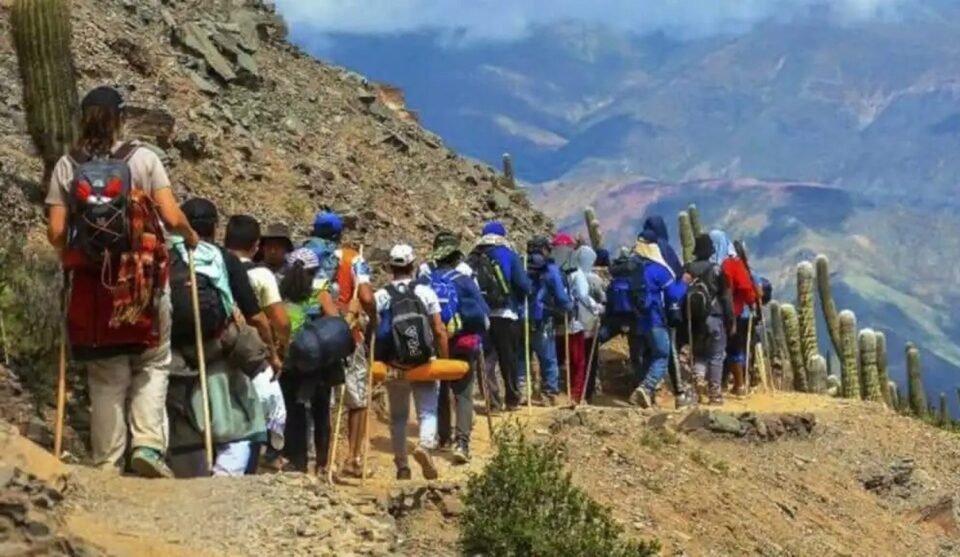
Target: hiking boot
685 400
403 473
640 397
427 467
148 463
461 454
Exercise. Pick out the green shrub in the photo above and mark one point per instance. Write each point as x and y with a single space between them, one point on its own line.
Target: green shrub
524 504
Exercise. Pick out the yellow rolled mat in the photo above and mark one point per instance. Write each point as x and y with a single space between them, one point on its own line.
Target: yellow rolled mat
434 370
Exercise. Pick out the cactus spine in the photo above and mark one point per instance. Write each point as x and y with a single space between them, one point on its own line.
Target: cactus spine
41 35
817 374
807 317
869 376
883 372
915 394
791 328
687 235
695 223
848 356
593 228
780 351
508 178
826 301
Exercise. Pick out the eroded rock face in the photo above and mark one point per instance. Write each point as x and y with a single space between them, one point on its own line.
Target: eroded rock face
760 427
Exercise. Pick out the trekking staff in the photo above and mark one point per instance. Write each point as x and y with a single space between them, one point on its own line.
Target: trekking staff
526 346
590 362
366 421
121 334
202 363
61 373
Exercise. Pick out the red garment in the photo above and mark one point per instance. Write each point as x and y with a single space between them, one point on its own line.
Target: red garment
742 289
578 360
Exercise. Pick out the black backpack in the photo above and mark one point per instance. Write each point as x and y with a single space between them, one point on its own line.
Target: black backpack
409 333
627 291
701 298
99 203
320 347
490 279
213 316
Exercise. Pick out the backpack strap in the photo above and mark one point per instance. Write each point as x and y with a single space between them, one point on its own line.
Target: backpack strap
126 151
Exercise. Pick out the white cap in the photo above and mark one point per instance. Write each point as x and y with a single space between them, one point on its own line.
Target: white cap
401 255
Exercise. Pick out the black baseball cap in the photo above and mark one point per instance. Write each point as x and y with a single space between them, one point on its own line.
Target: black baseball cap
105 97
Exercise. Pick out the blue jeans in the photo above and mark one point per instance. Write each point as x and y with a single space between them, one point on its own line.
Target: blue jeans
544 345
656 345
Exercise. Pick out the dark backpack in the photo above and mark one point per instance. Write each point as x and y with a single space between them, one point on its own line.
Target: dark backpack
320 346
99 203
627 292
552 305
213 316
490 278
405 333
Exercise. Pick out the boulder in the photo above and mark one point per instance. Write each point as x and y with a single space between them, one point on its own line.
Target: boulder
151 124
193 38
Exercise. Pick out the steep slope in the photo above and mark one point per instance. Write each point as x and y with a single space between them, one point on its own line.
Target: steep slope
245 118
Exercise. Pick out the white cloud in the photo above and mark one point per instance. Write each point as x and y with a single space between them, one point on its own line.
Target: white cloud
509 19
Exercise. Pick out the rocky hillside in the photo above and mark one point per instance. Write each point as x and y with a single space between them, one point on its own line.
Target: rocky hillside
245 118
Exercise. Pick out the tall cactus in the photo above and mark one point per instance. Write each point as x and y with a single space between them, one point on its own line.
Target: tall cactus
687 235
508 178
791 328
41 35
848 356
883 371
780 350
827 304
806 309
817 374
869 376
915 394
893 393
695 222
944 414
593 228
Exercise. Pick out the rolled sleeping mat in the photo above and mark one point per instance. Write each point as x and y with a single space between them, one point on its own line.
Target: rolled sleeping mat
434 370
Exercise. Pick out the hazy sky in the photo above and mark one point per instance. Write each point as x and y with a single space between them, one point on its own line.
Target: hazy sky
510 19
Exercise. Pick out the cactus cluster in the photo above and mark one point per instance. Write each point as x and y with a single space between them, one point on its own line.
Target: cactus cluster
778 343
826 301
593 228
791 327
687 235
41 36
850 374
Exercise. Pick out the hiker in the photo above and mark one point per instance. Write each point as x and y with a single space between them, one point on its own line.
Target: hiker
657 229
548 289
410 310
313 385
466 316
504 283
708 315
243 240
127 360
572 265
238 345
744 295
275 244
343 272
662 294
592 324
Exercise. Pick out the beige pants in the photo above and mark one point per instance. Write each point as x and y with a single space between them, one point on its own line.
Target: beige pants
130 389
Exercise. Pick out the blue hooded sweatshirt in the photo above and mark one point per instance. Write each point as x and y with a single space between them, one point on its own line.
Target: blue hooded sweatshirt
495 243
547 286
658 228
663 291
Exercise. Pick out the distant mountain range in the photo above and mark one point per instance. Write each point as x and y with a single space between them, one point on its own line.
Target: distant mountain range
802 137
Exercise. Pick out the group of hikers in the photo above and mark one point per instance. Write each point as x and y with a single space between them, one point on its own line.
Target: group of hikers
254 341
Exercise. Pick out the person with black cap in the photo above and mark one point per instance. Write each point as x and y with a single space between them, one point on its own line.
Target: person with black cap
127 363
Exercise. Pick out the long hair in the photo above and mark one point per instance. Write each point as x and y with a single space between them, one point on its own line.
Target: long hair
100 128
297 283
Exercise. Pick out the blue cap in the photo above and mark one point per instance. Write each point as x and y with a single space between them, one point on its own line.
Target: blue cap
327 225
494 227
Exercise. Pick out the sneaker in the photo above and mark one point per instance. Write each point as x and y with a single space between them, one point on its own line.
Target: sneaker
461 454
148 463
425 461
685 400
640 397
403 473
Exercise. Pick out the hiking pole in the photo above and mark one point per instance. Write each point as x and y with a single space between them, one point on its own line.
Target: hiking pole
746 362
593 350
486 390
366 421
201 363
566 354
526 346
61 374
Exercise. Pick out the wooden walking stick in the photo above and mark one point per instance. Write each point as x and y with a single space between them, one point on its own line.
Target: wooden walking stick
526 346
593 350
201 363
366 421
566 354
746 362
61 374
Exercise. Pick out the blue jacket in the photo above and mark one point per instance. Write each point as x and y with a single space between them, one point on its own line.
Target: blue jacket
548 289
468 291
663 291
513 272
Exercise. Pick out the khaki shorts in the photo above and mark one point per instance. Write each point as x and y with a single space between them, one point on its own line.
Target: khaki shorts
357 379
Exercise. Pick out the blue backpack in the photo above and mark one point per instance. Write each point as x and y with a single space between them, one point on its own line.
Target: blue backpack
627 292
443 284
